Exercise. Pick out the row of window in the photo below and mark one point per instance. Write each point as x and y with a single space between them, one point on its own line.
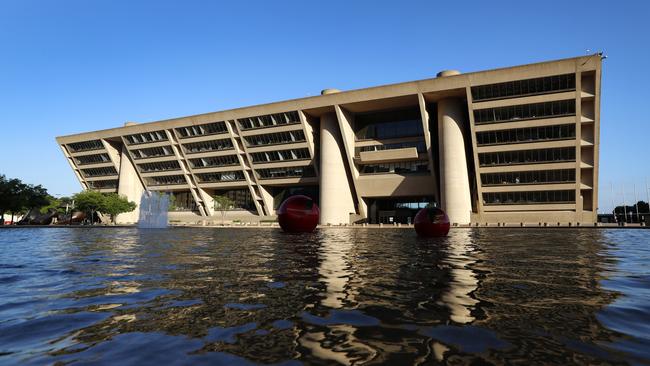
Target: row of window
524 87
388 124
160 166
214 161
152 152
405 167
85 146
201 130
275 138
269 120
419 145
529 177
203 146
525 111
527 198
92 159
166 180
291 172
102 184
146 137
280 155
526 134
527 156
221 177
241 198
99 172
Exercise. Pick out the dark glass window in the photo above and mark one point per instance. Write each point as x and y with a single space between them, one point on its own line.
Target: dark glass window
160 166
529 177
286 172
203 146
92 159
270 120
214 161
280 155
152 152
86 146
165 180
403 168
241 197
202 130
528 198
99 172
527 156
525 111
544 133
275 138
221 176
102 184
518 88
145 138
388 124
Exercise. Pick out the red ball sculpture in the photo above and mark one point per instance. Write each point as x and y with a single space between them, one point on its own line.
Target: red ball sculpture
431 221
298 214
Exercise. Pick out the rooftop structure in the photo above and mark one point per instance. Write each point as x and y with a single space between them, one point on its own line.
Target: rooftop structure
517 144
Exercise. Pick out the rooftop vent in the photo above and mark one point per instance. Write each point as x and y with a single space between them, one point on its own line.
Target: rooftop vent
444 73
329 91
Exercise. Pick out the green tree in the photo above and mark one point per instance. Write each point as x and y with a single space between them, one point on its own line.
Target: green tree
114 204
17 197
223 204
89 201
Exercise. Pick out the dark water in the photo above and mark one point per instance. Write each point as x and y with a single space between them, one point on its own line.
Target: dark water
214 296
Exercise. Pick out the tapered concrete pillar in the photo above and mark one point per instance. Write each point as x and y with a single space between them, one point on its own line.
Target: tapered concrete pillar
336 202
129 185
454 188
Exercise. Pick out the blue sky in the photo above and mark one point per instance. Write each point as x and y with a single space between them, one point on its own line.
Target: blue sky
71 66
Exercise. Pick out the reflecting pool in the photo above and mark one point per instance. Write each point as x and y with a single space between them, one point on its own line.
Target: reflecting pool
338 296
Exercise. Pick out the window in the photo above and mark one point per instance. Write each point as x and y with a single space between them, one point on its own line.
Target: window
214 161
403 168
166 180
152 152
269 120
527 198
203 146
159 166
525 111
527 156
147 137
92 159
102 184
275 138
99 172
242 198
388 124
524 87
529 177
292 172
201 130
85 146
280 155
220 177
545 133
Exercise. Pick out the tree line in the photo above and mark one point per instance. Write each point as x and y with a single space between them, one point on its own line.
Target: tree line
18 198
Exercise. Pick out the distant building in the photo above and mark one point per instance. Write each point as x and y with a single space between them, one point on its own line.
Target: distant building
517 144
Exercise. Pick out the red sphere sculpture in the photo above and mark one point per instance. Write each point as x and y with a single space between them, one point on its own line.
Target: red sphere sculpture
298 214
431 221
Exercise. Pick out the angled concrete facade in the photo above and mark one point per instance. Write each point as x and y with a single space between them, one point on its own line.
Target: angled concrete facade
512 145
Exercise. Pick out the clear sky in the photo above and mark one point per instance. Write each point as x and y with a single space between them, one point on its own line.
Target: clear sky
70 66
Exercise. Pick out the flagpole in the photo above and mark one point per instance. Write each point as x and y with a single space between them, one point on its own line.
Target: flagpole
624 208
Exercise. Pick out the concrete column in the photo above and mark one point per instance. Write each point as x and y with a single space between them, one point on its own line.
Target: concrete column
454 191
130 186
336 202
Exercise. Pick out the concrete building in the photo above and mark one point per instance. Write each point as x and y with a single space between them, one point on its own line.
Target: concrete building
512 145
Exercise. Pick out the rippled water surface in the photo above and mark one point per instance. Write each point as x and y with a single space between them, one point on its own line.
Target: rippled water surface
339 296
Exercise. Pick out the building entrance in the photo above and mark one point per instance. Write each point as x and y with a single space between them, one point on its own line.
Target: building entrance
396 210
